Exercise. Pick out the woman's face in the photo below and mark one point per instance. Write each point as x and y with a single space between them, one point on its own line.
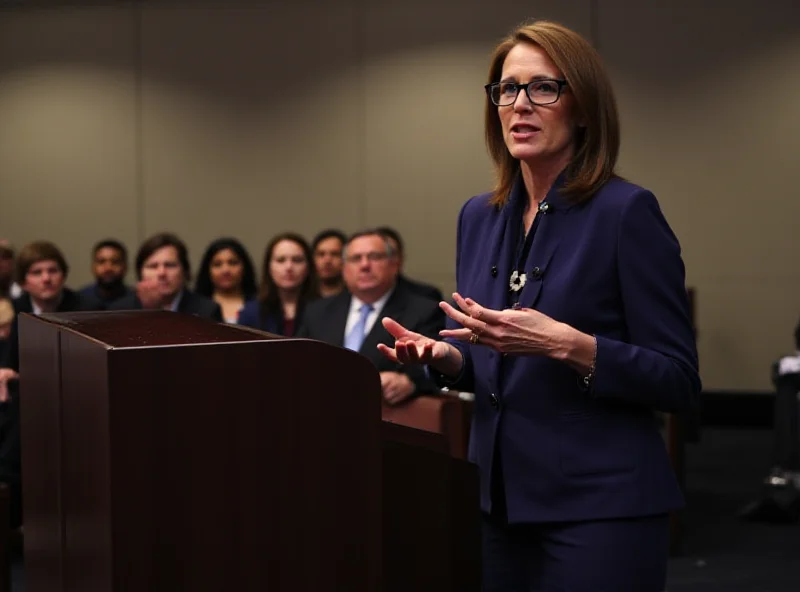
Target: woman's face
288 265
226 270
536 134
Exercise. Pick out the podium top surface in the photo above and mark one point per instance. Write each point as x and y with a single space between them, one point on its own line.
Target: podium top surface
144 328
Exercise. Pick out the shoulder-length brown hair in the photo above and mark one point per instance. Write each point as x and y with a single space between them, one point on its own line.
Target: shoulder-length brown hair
268 296
597 145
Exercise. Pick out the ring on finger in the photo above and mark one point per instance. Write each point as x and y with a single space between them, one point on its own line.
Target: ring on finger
473 338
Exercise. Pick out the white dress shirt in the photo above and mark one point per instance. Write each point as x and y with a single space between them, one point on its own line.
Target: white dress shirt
355 313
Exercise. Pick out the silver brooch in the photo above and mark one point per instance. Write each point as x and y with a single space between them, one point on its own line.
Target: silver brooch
517 281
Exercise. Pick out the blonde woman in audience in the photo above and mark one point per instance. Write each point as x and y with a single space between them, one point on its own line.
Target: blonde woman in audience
227 276
288 283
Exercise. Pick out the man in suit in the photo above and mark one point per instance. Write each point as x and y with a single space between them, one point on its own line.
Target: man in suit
419 288
162 265
42 271
109 267
352 319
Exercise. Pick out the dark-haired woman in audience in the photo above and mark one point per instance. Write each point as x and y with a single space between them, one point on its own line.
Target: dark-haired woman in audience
227 277
288 283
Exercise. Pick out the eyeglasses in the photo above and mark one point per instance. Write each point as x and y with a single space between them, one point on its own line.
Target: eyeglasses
545 91
373 256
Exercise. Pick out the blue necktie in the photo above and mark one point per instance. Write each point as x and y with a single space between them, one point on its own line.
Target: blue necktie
356 336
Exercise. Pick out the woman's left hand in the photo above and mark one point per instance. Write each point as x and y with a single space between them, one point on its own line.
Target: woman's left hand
513 331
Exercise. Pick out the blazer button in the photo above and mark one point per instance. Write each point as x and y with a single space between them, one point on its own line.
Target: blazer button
493 400
494 270
536 273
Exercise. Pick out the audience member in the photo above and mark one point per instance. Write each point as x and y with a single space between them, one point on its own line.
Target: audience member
420 288
6 318
227 277
351 318
109 267
42 270
288 284
8 287
327 247
162 267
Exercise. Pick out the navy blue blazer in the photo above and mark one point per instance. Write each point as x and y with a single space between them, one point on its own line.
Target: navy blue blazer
250 316
610 268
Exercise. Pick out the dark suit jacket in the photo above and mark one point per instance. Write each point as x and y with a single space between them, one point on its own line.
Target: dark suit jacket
325 320
94 300
421 289
190 303
70 302
610 268
251 316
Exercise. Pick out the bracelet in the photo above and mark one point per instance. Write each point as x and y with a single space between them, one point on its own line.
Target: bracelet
587 380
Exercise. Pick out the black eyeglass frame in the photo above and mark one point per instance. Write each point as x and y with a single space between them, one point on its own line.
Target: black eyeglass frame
560 84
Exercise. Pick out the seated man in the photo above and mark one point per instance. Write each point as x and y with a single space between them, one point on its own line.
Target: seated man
419 288
162 266
109 268
353 318
42 271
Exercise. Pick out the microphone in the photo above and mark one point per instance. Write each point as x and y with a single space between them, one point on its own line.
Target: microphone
544 207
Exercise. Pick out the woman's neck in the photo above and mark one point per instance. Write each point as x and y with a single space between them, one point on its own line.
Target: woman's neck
289 300
539 178
232 294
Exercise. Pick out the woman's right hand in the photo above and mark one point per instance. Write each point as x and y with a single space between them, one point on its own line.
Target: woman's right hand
415 348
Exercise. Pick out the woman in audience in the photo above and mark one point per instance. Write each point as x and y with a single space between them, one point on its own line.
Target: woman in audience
288 283
571 325
227 277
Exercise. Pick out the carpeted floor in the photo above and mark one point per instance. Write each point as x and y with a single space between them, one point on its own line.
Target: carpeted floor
720 552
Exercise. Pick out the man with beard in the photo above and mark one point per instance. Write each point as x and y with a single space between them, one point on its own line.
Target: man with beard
327 249
109 267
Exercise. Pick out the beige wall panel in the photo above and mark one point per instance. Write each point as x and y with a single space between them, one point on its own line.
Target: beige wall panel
710 123
739 340
67 129
250 126
426 67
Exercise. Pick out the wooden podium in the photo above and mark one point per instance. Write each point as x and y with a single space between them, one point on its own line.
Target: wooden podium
165 452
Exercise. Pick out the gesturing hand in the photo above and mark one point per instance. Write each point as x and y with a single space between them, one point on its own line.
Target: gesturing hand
522 330
410 347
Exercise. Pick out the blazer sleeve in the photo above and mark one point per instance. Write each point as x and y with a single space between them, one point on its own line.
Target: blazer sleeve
431 322
465 381
657 364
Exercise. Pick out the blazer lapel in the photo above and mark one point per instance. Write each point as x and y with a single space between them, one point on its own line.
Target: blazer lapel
340 309
548 236
502 250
